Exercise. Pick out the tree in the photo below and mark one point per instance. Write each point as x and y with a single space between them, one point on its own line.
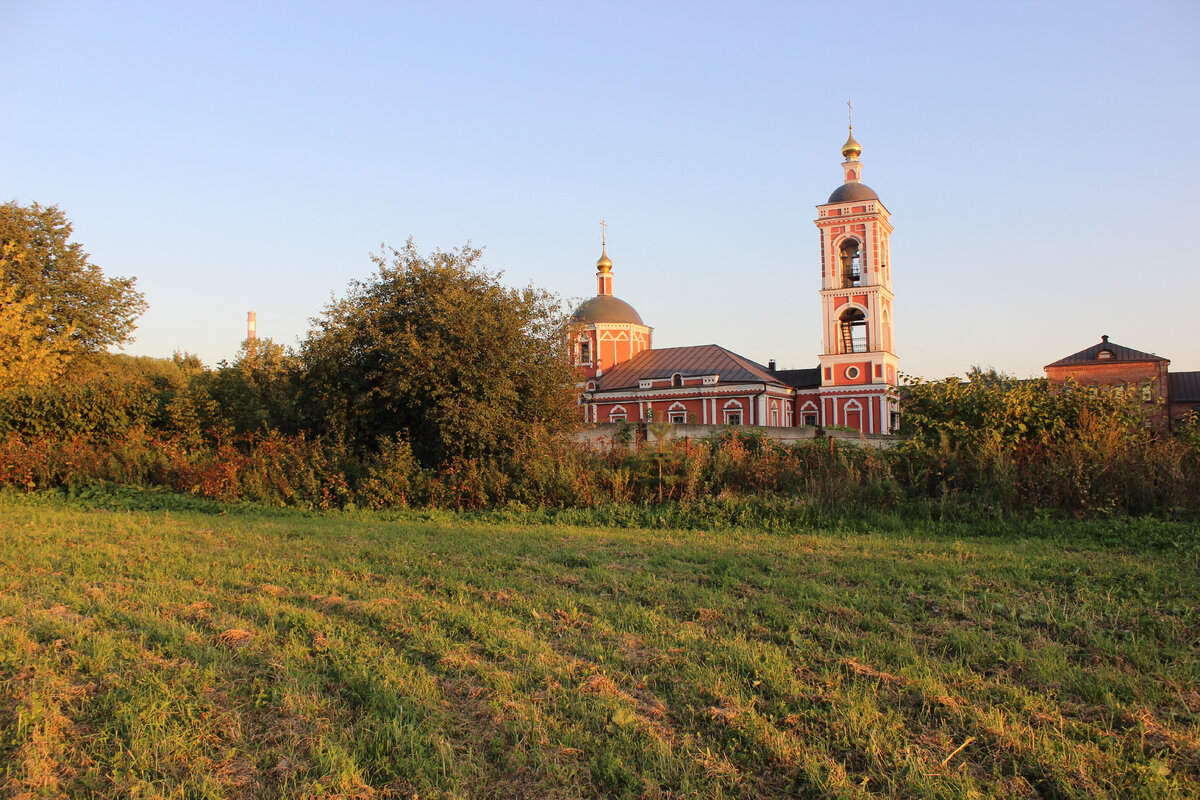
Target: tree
435 350
46 267
258 389
30 354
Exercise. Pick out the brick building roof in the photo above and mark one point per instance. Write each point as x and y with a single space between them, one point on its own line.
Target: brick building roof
1092 355
801 378
1183 387
690 362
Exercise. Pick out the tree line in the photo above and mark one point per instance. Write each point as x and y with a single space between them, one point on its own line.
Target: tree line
431 383
431 349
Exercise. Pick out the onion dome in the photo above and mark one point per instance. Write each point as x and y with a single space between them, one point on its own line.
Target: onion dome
851 149
604 264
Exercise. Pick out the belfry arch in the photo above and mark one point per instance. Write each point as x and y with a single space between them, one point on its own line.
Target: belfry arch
852 331
851 255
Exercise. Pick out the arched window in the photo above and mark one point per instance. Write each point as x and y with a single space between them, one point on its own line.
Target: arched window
733 412
677 379
851 256
809 414
852 327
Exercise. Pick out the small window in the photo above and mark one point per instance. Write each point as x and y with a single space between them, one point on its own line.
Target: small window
677 379
679 417
1104 354
617 417
1147 393
809 420
585 352
852 372
733 418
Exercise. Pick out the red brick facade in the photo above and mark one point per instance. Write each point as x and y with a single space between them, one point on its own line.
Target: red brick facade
624 378
1109 367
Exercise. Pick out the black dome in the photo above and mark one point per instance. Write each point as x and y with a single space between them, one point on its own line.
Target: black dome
849 192
606 308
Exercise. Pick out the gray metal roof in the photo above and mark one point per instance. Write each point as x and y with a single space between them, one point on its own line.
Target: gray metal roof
849 192
1119 353
1183 387
695 361
606 308
800 378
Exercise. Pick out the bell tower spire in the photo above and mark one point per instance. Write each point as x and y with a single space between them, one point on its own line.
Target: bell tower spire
604 264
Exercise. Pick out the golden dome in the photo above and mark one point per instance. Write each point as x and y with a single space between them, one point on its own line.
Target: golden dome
851 149
605 263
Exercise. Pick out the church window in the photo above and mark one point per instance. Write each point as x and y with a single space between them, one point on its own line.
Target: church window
585 352
852 372
852 330
617 414
677 379
809 419
851 257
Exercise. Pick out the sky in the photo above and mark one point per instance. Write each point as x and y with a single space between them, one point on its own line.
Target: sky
1039 160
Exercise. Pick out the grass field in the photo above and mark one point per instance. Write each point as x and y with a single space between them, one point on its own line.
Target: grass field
279 654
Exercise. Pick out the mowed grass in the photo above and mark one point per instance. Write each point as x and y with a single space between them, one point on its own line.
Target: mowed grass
262 654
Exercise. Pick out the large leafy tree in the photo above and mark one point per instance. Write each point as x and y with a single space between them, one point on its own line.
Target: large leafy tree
46 267
30 355
435 350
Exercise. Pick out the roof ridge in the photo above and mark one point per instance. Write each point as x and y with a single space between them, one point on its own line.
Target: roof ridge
1120 353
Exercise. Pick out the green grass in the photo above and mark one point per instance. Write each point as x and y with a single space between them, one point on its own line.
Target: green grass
167 652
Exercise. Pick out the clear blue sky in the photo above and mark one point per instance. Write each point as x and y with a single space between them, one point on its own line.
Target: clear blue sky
1039 160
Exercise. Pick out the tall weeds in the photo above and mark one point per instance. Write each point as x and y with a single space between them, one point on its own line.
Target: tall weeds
1094 469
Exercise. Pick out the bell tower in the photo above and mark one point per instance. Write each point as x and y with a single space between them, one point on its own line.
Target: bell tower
858 355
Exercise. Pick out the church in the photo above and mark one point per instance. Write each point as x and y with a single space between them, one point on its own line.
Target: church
624 378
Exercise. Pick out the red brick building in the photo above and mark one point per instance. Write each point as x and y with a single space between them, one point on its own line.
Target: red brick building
624 378
1144 377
